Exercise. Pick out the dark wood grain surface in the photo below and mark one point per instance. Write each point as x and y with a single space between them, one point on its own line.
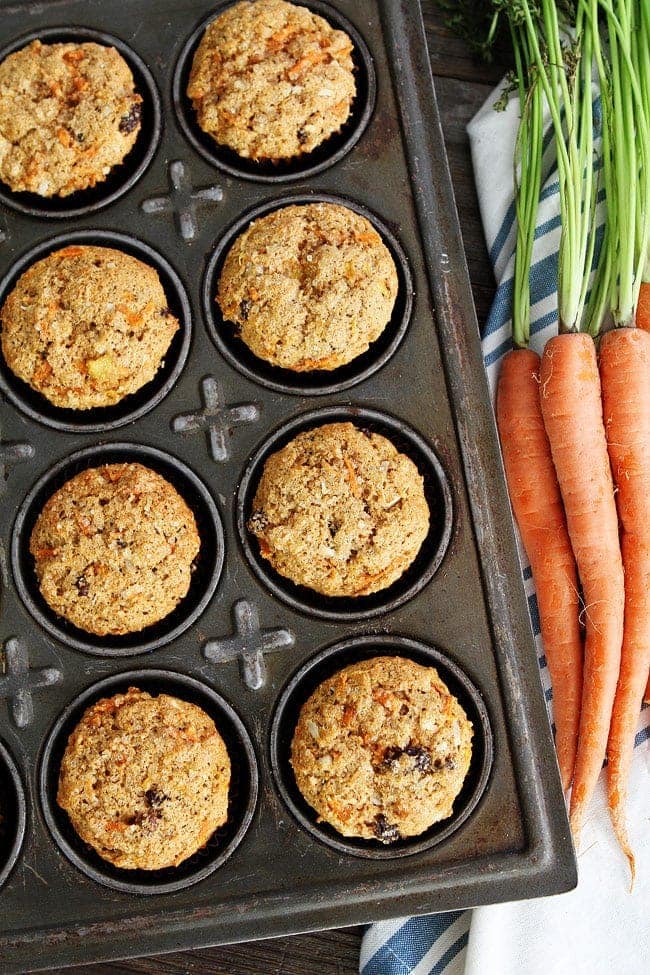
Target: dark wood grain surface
462 84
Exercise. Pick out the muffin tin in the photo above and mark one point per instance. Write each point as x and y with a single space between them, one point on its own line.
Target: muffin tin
245 644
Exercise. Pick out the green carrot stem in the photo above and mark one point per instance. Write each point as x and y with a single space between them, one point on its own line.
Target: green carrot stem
567 86
600 292
527 181
624 81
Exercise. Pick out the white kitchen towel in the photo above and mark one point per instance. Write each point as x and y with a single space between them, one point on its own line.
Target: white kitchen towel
600 926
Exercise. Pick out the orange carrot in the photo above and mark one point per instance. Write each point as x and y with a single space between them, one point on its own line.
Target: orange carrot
625 379
643 307
646 695
572 411
537 507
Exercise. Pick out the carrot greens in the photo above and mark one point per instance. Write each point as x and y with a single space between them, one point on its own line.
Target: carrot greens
624 76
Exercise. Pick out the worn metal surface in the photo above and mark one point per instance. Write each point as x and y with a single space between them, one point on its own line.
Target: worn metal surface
281 879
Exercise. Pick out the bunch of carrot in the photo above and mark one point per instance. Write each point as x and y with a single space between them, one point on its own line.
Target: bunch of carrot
589 425
575 424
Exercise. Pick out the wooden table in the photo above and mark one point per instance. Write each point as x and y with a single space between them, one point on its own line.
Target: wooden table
462 84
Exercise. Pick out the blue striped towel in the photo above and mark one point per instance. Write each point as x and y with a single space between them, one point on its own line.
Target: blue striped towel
600 924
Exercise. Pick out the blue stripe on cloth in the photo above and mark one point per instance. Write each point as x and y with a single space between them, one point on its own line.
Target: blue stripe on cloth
642 736
452 952
538 325
556 221
503 234
497 353
508 221
534 614
408 946
543 283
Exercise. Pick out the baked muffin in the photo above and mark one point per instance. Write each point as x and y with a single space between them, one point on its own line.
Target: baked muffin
69 113
308 287
85 326
381 749
114 549
340 510
145 779
271 80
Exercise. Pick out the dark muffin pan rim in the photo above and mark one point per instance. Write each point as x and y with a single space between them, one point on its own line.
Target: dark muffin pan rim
430 556
135 405
243 762
192 489
19 808
321 382
330 152
123 176
353 650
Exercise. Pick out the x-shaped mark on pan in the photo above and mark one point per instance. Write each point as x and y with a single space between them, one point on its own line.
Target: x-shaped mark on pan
18 680
248 644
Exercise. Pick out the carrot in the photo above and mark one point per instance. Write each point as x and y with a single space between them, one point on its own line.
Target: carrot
625 379
572 411
643 307
646 695
537 507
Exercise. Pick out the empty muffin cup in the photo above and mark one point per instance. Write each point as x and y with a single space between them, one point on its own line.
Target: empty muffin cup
13 814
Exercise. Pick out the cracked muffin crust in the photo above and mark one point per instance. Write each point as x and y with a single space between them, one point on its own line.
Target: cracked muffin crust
340 510
114 549
308 286
145 779
85 326
69 113
381 749
271 80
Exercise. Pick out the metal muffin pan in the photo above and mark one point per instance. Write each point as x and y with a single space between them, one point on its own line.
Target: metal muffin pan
245 643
